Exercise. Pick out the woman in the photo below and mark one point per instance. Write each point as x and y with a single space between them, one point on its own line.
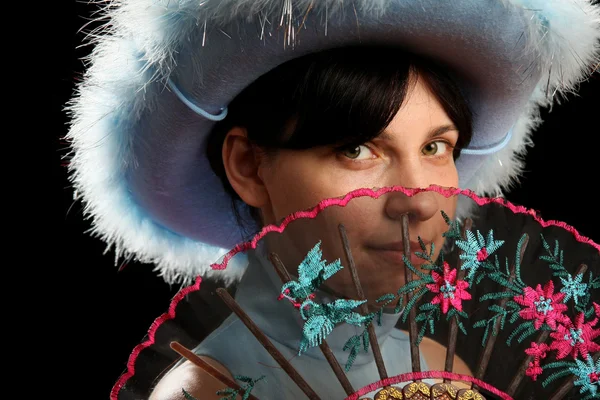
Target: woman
188 105
408 128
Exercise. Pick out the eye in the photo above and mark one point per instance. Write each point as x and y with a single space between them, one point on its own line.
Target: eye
361 152
435 148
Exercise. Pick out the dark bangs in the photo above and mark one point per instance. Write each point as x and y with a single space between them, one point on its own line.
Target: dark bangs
340 96
345 96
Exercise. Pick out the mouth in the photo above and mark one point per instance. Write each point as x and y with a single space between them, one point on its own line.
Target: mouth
394 252
399 246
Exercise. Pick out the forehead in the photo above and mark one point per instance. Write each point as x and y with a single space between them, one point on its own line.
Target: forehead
420 111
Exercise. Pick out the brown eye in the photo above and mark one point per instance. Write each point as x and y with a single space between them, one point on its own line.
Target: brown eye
434 148
358 153
352 153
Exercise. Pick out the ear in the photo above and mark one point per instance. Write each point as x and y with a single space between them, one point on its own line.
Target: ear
241 163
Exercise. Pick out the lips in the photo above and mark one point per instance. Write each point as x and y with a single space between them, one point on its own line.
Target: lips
399 246
394 252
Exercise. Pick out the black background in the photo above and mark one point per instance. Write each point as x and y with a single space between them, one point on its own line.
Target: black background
98 314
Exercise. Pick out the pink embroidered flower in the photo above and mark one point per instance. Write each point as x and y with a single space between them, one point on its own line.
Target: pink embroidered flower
537 350
534 370
597 308
575 338
482 254
450 291
542 305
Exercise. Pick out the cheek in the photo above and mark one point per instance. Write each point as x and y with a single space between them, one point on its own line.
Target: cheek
294 185
300 181
446 176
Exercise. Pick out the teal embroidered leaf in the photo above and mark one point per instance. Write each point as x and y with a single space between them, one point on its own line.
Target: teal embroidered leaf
316 329
583 304
554 258
424 277
411 287
497 295
518 260
454 230
412 302
427 255
503 280
384 301
187 395
490 322
555 376
229 394
528 332
232 394
514 317
428 315
595 282
365 340
343 307
524 327
353 345
461 326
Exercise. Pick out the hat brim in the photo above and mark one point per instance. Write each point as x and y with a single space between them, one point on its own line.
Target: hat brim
139 152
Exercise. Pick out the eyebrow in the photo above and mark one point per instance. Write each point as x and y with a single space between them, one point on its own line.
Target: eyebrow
440 130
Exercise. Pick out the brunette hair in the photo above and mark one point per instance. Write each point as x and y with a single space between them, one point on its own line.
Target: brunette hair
344 96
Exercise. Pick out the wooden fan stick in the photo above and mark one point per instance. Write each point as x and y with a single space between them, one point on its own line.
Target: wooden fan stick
364 307
206 367
415 356
267 344
514 384
453 334
285 277
562 391
484 359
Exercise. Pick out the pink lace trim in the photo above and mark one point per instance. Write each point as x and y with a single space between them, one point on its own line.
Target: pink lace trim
150 341
412 376
343 201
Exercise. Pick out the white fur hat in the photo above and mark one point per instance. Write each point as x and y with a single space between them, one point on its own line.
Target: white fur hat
138 135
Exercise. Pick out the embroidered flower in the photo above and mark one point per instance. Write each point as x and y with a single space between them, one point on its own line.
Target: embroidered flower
476 250
597 308
588 376
450 291
537 350
573 288
542 305
575 337
534 370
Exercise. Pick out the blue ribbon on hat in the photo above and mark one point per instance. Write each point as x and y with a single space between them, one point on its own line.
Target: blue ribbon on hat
198 110
194 107
489 149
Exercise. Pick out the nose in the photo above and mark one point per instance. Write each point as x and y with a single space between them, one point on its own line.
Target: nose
420 207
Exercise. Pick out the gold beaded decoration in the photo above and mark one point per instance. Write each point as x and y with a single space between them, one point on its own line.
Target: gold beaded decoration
443 391
469 394
389 392
417 391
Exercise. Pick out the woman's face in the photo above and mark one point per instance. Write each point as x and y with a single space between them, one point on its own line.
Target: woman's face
414 151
